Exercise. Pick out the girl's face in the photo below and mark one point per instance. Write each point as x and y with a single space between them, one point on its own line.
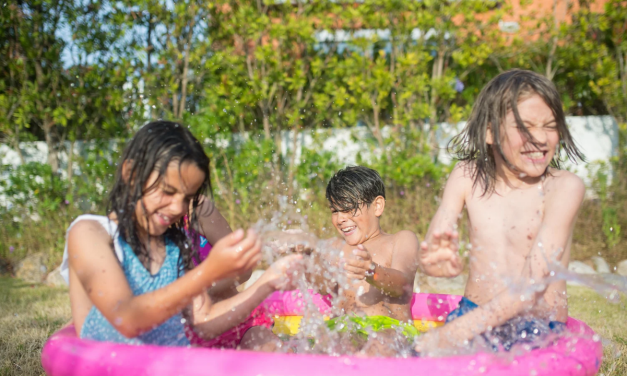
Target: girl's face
169 200
528 160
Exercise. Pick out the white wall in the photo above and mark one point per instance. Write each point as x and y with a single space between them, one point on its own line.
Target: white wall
597 137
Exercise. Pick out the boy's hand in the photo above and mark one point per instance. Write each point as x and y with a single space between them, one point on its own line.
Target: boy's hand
440 256
358 263
233 255
283 273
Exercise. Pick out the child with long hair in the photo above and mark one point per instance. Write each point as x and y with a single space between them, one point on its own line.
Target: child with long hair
521 210
131 273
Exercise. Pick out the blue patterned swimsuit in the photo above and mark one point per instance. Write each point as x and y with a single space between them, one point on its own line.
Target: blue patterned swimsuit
170 333
514 331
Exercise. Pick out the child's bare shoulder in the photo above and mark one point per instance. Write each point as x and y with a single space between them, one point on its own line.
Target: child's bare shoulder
565 183
464 169
462 174
88 228
407 239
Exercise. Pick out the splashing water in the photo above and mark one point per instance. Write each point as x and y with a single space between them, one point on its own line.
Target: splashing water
288 232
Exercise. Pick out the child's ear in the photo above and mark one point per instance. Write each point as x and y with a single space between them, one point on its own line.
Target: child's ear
379 205
127 166
488 135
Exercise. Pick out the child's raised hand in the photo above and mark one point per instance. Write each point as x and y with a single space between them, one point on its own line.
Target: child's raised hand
439 256
358 263
283 273
233 255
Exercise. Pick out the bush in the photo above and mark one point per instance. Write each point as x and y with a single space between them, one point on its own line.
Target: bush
252 181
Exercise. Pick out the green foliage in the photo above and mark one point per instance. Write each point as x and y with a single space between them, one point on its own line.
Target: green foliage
239 73
611 225
402 164
316 166
34 188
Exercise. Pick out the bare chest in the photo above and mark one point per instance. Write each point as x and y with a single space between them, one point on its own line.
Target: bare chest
510 222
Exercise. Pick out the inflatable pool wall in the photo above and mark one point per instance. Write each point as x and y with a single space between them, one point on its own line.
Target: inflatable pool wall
578 354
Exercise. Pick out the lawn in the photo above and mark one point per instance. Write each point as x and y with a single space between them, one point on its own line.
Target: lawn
31 313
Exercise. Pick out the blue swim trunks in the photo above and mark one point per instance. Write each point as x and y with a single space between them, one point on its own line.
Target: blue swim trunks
515 331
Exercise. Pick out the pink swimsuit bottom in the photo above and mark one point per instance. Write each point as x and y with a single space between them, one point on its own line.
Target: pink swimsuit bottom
232 338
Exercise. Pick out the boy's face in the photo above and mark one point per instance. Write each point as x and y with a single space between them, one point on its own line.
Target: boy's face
358 227
529 160
169 201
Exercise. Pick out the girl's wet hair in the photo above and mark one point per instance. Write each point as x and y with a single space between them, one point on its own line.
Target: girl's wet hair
499 96
352 187
153 148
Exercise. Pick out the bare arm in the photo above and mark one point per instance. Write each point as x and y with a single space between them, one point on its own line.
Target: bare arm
562 206
439 255
213 226
99 272
210 320
398 279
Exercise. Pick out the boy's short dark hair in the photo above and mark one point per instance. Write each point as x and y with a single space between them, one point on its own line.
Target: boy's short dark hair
354 186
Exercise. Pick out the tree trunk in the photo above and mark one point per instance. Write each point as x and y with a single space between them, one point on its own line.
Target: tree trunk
550 72
53 160
622 63
70 166
438 71
266 123
292 167
16 144
376 127
184 76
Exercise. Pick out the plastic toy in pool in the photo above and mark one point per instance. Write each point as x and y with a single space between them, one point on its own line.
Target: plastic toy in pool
576 354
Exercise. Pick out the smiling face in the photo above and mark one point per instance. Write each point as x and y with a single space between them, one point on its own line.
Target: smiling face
168 201
357 227
527 159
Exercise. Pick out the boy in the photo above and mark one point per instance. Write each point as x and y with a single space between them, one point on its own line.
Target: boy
380 267
522 211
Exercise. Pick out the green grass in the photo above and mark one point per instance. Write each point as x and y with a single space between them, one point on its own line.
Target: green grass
609 320
29 314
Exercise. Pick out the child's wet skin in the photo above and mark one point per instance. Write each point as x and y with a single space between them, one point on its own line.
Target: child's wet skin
521 211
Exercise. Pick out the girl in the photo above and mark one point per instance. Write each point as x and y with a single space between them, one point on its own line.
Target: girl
130 273
521 208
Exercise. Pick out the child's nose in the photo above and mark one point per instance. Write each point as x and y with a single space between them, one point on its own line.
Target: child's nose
179 205
540 136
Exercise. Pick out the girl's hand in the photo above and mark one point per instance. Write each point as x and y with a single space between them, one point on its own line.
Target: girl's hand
283 273
358 263
440 256
233 255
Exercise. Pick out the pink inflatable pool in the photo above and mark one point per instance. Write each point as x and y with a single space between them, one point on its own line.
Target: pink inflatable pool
64 354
